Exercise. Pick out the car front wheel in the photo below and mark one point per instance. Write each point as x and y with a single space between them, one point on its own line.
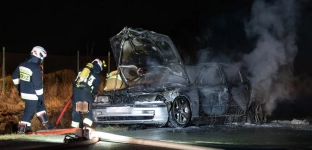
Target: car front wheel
180 113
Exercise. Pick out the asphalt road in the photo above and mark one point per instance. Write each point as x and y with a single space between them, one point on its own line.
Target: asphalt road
268 136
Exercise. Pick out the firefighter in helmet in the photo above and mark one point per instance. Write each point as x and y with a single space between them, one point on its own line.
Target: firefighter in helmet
85 88
27 78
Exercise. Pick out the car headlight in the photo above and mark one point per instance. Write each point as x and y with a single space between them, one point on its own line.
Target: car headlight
102 99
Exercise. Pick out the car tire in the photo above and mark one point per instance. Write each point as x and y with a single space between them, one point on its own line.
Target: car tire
256 114
180 113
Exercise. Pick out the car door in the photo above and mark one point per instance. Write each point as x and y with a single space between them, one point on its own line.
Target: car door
212 90
239 88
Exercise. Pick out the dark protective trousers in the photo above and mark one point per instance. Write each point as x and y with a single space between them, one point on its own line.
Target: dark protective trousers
80 94
31 107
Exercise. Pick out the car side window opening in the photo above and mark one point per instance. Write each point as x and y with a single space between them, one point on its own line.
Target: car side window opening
210 75
165 49
233 75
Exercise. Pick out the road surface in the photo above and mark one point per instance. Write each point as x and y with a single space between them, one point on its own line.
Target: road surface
267 136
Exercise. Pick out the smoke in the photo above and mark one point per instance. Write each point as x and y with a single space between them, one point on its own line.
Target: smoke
270 64
210 55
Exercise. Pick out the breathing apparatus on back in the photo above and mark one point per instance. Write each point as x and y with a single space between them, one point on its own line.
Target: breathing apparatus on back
82 77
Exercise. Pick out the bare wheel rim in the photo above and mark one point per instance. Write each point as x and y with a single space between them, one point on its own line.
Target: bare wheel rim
181 111
256 113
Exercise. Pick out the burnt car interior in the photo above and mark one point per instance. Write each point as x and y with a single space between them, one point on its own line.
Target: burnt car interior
143 58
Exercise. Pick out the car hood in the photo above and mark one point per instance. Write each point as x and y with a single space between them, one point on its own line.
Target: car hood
147 49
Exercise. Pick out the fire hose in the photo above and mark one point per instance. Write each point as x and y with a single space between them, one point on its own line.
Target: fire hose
97 136
103 136
54 130
155 143
62 113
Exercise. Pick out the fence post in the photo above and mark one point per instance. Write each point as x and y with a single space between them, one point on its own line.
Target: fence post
108 63
3 70
78 61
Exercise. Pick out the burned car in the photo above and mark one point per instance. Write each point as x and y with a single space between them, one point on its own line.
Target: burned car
152 86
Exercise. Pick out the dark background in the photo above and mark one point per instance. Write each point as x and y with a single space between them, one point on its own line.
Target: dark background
64 27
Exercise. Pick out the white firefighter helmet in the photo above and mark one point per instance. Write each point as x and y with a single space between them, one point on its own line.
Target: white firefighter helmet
99 62
39 52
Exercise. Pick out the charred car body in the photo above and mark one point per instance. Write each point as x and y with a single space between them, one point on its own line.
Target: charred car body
151 85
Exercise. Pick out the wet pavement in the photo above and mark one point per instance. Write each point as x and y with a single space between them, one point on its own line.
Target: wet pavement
254 136
267 136
234 136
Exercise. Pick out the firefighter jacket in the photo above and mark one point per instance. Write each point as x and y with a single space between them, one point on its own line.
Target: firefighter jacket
27 77
88 78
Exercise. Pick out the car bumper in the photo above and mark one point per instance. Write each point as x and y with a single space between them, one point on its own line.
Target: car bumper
140 113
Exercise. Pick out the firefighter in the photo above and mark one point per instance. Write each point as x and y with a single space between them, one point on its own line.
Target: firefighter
27 78
85 88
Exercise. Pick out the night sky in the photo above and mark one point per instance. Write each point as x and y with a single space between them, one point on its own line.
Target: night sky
63 27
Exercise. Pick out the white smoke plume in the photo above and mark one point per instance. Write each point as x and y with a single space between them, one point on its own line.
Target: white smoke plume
270 64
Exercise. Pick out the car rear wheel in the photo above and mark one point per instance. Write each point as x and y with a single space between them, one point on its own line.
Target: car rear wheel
256 113
180 113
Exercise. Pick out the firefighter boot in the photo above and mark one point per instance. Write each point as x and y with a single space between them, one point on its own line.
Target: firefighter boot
23 128
43 118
